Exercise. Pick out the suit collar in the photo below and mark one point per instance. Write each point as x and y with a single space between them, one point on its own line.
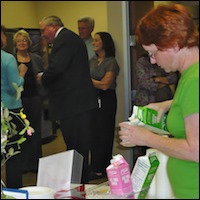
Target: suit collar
58 31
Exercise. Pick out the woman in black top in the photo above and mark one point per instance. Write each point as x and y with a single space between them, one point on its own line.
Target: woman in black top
31 100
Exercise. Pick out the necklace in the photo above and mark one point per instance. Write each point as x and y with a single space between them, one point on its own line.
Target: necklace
23 58
100 60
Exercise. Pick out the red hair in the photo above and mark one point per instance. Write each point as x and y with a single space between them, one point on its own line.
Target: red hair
167 26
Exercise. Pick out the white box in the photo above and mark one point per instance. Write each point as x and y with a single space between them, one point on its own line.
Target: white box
142 175
60 170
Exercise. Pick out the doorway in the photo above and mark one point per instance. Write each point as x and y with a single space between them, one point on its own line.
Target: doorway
137 9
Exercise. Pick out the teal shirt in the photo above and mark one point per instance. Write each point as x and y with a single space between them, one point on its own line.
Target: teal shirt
10 75
183 174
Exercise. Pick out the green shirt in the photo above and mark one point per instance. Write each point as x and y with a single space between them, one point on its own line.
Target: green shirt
183 174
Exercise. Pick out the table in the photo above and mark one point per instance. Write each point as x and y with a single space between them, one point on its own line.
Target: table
89 191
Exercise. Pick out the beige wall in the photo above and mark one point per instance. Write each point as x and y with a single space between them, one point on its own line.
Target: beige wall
70 11
18 14
116 29
27 14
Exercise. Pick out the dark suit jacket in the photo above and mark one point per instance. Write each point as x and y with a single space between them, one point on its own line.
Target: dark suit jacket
68 77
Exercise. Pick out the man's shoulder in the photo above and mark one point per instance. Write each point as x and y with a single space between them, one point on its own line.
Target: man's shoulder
89 41
68 31
69 35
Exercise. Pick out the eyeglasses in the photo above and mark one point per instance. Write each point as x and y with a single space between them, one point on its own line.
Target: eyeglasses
152 55
24 41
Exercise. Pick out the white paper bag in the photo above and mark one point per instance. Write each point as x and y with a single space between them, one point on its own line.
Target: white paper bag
160 187
58 171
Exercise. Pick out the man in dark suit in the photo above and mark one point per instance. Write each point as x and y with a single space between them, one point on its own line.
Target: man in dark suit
72 98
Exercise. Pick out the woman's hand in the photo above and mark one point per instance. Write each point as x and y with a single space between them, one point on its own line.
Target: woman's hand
39 76
160 107
22 69
132 135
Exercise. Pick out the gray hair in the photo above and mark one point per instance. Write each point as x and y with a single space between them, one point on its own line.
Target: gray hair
89 20
52 20
23 33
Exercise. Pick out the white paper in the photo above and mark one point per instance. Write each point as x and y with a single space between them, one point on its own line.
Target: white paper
163 189
55 171
160 187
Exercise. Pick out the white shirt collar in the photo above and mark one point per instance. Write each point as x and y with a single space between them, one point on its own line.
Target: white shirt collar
58 31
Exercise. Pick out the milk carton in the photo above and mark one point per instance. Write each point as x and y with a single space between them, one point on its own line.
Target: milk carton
143 173
119 177
147 118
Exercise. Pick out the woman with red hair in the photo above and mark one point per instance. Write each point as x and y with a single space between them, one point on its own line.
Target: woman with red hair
171 38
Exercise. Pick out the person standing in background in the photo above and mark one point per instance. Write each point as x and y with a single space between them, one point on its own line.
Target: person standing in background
11 74
31 99
72 97
153 82
85 29
104 70
153 86
170 36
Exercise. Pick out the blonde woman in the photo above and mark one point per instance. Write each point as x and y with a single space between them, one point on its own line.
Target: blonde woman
31 99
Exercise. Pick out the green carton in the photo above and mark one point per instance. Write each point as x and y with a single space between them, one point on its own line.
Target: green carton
146 117
143 173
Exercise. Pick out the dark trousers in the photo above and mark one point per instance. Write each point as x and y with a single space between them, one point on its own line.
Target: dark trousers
77 131
103 137
14 172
